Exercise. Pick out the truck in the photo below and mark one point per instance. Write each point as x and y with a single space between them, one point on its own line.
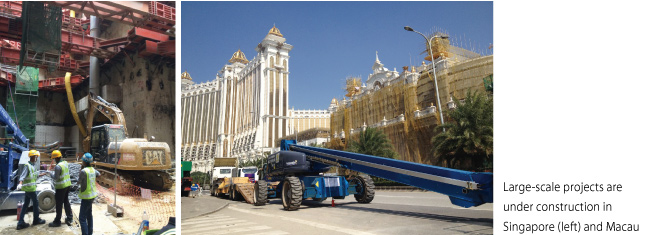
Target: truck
296 173
239 185
222 169
186 184
218 174
235 182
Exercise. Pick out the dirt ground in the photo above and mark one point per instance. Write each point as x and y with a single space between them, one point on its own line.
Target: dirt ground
159 207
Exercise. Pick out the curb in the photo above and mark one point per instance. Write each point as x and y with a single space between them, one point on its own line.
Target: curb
207 213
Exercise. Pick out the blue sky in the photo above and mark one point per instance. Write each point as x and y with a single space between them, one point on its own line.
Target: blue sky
332 40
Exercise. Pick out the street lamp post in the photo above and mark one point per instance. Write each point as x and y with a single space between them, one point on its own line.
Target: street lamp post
433 66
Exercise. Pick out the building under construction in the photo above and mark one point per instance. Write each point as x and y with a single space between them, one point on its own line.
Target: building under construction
98 77
122 52
403 105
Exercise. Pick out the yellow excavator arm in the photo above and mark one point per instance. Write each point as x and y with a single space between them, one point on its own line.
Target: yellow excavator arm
109 110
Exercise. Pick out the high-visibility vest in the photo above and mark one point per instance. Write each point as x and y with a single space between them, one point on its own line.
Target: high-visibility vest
91 190
64 178
29 183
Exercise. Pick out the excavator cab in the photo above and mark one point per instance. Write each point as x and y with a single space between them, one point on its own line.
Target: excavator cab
100 138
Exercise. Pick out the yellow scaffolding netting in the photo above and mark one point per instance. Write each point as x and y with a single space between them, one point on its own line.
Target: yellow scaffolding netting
411 137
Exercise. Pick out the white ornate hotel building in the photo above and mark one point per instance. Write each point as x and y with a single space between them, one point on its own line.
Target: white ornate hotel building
244 110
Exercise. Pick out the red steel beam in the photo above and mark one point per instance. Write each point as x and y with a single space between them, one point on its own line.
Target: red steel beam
139 34
12 8
6 78
167 48
58 84
11 56
151 15
148 48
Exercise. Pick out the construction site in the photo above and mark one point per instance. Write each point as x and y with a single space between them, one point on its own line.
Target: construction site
90 77
403 105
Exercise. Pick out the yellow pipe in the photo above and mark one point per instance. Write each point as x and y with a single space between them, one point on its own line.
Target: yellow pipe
72 107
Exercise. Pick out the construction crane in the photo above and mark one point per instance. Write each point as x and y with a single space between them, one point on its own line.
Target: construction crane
295 174
13 153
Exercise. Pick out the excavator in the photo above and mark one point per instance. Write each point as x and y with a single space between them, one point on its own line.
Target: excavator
139 161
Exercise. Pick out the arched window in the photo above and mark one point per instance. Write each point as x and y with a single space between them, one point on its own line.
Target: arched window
377 85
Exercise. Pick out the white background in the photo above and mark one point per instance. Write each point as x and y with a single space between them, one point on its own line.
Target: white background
571 99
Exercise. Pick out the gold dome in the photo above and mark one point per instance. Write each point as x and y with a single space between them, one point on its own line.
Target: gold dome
275 31
238 56
186 75
333 101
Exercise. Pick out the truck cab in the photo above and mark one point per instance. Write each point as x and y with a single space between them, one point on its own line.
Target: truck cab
221 172
248 171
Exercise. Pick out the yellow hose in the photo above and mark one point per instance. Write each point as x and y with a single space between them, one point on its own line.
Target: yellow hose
73 109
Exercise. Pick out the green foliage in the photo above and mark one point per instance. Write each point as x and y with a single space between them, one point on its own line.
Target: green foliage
468 141
317 145
200 178
255 162
374 142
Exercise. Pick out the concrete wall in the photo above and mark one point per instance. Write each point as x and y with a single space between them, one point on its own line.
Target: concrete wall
52 108
73 138
148 92
48 134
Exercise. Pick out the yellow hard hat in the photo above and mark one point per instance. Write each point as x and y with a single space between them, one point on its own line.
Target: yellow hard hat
34 153
56 154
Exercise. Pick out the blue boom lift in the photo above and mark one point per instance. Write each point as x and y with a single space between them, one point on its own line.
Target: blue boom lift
298 169
12 146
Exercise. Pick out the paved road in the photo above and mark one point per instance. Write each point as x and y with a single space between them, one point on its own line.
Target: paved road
389 213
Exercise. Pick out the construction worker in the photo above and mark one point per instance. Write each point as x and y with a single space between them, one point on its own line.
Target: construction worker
27 183
87 192
62 184
194 189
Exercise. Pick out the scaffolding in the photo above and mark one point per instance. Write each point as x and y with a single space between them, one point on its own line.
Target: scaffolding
404 110
22 100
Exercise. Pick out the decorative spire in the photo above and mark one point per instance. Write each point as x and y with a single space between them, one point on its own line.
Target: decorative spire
275 31
186 75
376 56
238 56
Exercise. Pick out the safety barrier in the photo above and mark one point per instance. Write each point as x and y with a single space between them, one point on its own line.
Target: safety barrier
158 205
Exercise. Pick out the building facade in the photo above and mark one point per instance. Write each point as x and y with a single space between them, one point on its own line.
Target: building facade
304 119
242 112
403 105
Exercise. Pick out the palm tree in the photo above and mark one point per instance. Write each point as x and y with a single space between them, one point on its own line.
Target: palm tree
468 141
372 142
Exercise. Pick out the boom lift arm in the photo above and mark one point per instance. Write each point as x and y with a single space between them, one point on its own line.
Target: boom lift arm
17 143
464 188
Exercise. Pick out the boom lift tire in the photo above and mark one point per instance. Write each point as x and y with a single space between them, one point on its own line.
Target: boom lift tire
260 193
291 193
366 186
